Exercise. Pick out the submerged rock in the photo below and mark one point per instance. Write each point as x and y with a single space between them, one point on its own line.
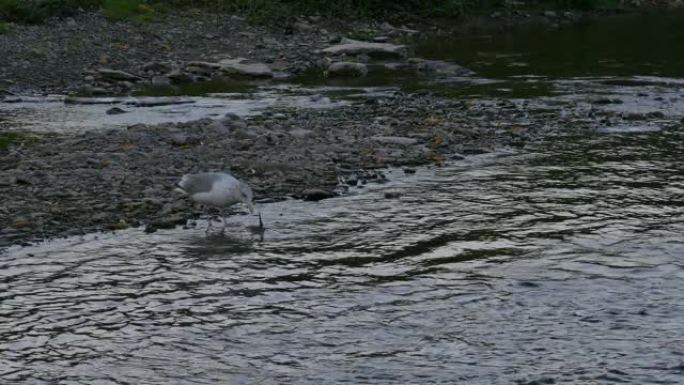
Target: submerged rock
160 81
151 101
316 194
438 68
239 67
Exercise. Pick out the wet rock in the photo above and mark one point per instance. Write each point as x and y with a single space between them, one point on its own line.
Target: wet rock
398 140
151 101
92 90
22 223
347 69
167 222
315 194
181 139
409 171
218 127
12 99
353 47
439 68
179 77
392 195
160 81
116 75
601 101
157 67
242 68
202 68
300 132
86 101
115 111
475 151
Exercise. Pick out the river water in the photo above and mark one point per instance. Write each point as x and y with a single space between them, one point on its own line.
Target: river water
559 263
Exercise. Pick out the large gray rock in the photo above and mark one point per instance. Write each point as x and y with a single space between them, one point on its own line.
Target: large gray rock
345 68
239 67
353 47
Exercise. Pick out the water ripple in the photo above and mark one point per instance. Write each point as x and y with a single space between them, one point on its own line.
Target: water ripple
559 265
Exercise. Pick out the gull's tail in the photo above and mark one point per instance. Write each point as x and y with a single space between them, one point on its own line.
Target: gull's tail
180 186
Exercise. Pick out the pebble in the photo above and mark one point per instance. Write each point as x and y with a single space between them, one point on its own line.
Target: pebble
315 194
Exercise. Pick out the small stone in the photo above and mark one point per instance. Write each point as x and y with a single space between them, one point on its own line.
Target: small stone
550 14
315 194
160 81
392 195
115 111
22 223
409 171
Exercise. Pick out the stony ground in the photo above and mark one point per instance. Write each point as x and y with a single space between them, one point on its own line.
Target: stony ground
114 179
62 54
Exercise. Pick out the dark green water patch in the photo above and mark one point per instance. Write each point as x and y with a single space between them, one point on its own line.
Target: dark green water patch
621 45
200 88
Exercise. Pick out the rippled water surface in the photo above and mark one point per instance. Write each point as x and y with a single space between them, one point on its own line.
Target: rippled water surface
562 264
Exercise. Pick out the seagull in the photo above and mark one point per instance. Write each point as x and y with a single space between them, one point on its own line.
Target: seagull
217 189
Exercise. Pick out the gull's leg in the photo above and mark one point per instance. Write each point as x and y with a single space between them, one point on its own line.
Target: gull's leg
223 219
209 222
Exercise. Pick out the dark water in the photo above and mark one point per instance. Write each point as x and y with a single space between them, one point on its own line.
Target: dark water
558 265
621 45
526 61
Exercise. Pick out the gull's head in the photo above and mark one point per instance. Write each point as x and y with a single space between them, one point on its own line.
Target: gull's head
247 196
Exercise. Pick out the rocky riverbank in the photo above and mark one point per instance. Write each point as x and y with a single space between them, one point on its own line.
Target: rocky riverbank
90 53
68 185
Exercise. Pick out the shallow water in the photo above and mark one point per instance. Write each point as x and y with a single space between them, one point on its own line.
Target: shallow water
562 264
